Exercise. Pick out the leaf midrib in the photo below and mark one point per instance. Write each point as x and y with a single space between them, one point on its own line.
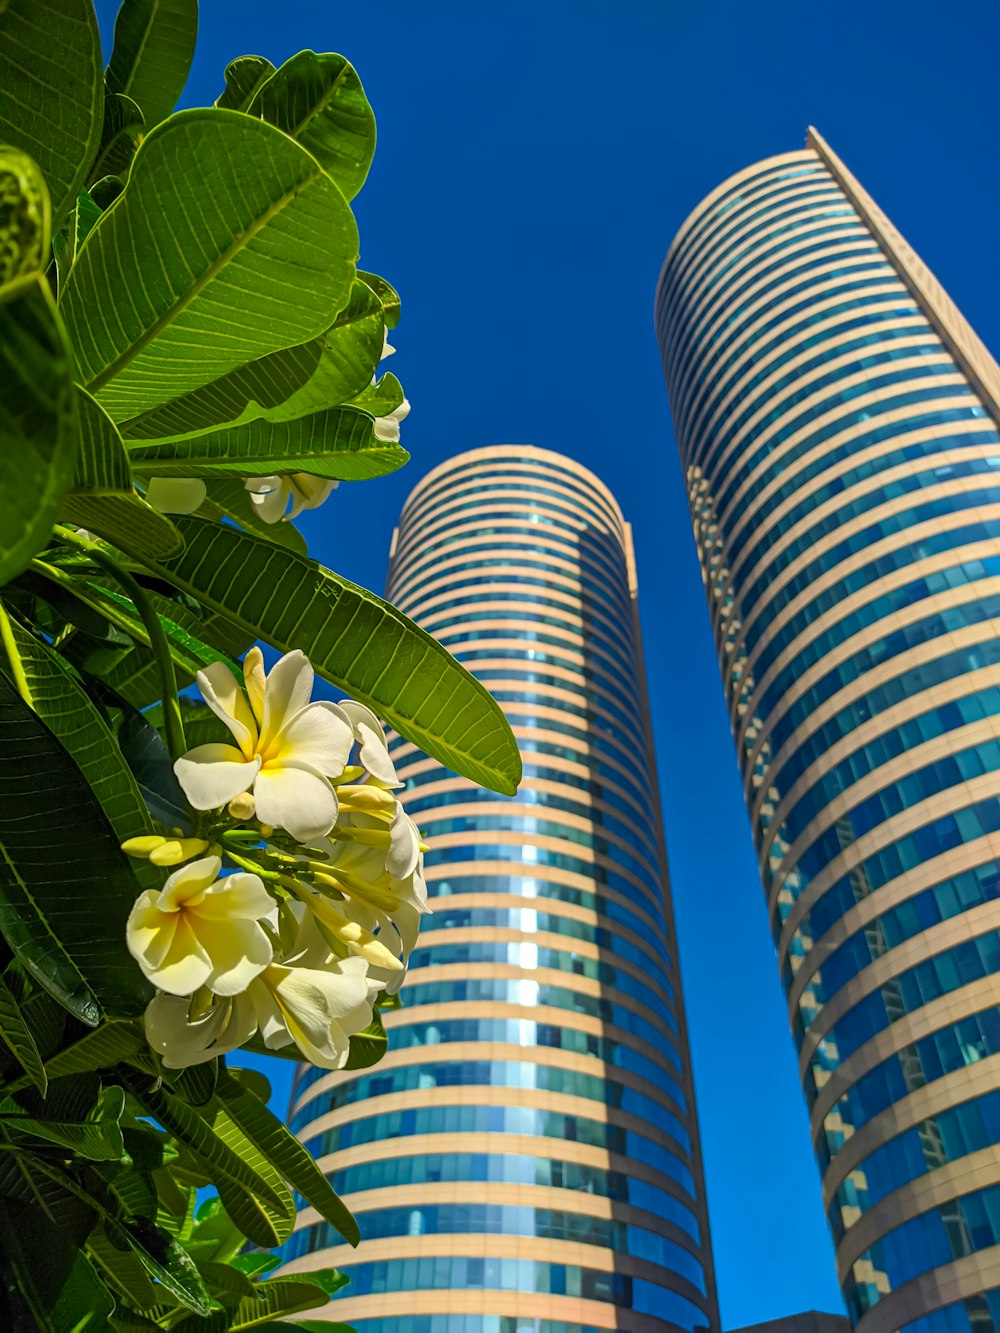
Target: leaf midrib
239 243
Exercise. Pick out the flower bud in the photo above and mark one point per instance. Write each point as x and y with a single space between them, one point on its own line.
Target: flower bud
142 847
175 850
243 806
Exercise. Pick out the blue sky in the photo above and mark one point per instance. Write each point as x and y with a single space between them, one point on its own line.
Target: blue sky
534 161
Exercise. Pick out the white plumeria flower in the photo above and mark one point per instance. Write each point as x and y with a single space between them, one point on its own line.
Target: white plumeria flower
270 495
380 869
287 749
387 347
312 1000
176 495
200 930
374 753
387 428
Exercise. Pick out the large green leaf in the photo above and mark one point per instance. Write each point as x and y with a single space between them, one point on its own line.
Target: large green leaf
322 373
239 1172
340 444
356 641
318 100
59 857
244 76
279 1296
154 43
66 708
19 1038
126 521
228 501
102 464
49 1279
38 416
110 1044
386 293
25 223
51 90
76 1115
288 1155
188 276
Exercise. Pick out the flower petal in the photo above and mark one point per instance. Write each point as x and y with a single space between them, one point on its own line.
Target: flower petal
318 736
255 680
186 965
210 775
239 951
374 752
269 496
190 881
223 695
241 896
308 492
299 800
288 690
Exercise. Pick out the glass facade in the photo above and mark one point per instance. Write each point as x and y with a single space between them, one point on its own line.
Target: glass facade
839 433
526 1156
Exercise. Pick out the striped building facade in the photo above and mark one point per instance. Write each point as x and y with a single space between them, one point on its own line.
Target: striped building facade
838 428
525 1159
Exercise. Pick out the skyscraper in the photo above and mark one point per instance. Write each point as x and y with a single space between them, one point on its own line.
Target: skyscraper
837 422
525 1159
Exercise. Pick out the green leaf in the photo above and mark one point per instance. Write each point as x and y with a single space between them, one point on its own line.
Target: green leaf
51 89
368 1046
114 1042
201 725
102 464
244 76
318 100
229 500
71 235
286 1152
154 43
76 1114
65 707
149 759
18 1036
60 1291
24 216
180 282
121 135
386 294
278 1296
122 1270
245 1180
339 444
37 420
126 521
356 641
59 856
380 398
291 383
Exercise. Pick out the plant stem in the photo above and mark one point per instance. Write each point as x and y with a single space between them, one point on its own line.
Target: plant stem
173 722
16 665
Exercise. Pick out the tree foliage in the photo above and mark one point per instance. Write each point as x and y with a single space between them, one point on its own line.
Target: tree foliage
187 346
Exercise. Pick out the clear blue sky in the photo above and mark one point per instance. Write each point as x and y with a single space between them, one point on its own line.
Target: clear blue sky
534 161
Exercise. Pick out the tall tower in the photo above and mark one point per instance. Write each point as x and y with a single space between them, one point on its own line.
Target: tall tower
837 422
525 1159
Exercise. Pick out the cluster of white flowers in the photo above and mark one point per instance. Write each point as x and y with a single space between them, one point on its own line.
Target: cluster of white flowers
323 905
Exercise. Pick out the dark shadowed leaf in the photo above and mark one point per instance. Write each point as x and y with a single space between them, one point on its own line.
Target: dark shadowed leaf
19 1038
121 135
51 91
63 1291
60 856
37 421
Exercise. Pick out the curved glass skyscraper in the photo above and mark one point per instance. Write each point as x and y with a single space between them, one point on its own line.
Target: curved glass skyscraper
837 421
525 1159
